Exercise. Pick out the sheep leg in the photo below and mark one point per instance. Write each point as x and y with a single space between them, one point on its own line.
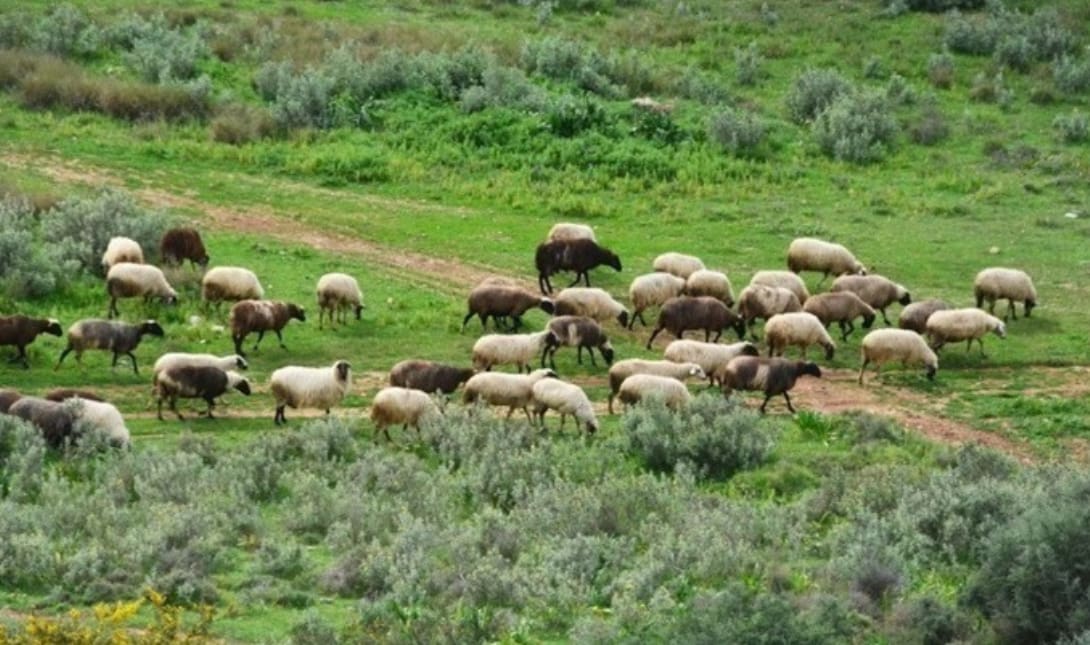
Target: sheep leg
718 334
888 323
516 323
159 409
211 404
173 407
612 394
279 417
238 344
767 397
528 419
1011 311
132 357
790 407
543 284
260 335
281 339
113 308
653 334
590 351
846 327
862 368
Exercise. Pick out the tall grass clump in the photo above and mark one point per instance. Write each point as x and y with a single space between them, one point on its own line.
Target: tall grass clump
739 132
940 70
1072 128
1071 75
747 64
857 127
814 90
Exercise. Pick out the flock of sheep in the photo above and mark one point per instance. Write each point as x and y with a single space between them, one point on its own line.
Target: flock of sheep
688 297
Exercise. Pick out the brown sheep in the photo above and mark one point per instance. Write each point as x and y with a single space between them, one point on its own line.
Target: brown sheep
429 376
702 312
114 336
261 316
61 394
877 291
770 375
182 243
914 316
761 301
502 301
7 399
571 255
21 331
841 307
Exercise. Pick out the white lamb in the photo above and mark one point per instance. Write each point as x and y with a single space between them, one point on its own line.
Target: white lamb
566 231
511 390
621 370
508 349
394 405
103 416
128 280
230 284
883 346
809 254
122 249
652 290
337 293
641 386
710 283
998 283
591 302
309 387
783 280
800 329
565 398
678 264
711 357
952 325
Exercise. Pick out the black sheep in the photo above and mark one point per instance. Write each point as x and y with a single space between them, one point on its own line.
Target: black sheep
196 382
580 256
429 376
770 375
179 244
703 312
21 331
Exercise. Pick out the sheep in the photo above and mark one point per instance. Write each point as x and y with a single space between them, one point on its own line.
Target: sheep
710 283
565 232
963 324
338 292
122 249
762 301
677 264
711 357
56 421
799 328
565 398
770 375
225 363
809 254
638 387
889 345
428 376
519 350
578 332
511 390
182 243
128 280
409 407
670 369
997 283
230 284
842 307
7 398
62 393
571 255
652 290
20 331
684 312
195 382
783 280
117 337
104 416
592 303
261 316
309 387
492 298
877 291
914 316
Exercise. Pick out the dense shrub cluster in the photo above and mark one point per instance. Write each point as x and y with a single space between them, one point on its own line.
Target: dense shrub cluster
158 52
857 127
940 70
1071 75
611 76
1015 39
1072 128
739 132
747 64
814 90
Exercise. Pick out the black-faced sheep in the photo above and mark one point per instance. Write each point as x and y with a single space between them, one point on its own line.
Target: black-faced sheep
7 398
638 387
182 243
875 290
621 370
883 346
121 249
578 332
248 316
565 398
677 264
56 421
809 254
684 313
512 390
309 387
914 316
519 350
20 331
952 325
409 407
501 301
783 280
429 376
713 358
758 301
998 283
579 256
566 232
128 280
842 307
337 293
799 329
196 382
62 394
112 336
652 290
590 302
773 376
710 283
230 284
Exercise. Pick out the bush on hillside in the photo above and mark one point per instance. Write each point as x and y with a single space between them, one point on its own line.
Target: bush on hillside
1072 128
747 64
941 6
241 123
1015 39
929 127
857 128
739 132
1071 75
66 31
940 70
161 54
814 90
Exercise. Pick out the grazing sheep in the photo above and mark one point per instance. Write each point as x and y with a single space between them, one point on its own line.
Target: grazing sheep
20 331
875 290
339 292
638 387
761 301
56 421
196 382
769 375
800 329
710 283
783 280
248 316
997 283
842 307
7 398
511 390
175 359
578 332
62 393
684 312
122 249
711 357
104 416
117 337
883 346
952 325
809 254
565 398
678 264
566 232
393 405
182 243
309 387
430 377
670 369
500 301
128 280
499 349
652 290
571 255
230 284
914 317
590 302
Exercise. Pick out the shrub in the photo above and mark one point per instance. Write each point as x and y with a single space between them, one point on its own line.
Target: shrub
966 36
929 127
66 31
940 6
692 84
899 91
1071 75
16 29
813 91
27 269
748 63
874 68
503 87
1072 128
303 101
568 115
657 125
240 123
940 70
739 132
160 54
857 127
1015 52
143 102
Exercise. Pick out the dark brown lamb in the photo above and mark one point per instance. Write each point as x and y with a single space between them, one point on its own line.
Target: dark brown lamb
429 376
195 382
502 301
580 256
772 376
110 335
55 420
578 332
180 244
61 394
702 312
7 398
21 331
261 316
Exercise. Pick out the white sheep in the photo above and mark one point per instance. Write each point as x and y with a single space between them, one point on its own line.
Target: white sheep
809 254
997 283
394 405
678 264
638 387
711 357
103 416
565 231
652 290
122 249
680 371
177 359
710 283
230 284
798 328
565 398
591 302
952 325
883 346
337 293
508 349
783 280
511 390
128 280
309 387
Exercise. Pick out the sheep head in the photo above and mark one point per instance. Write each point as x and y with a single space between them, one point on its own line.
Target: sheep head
342 368
296 312
151 327
623 318
749 349
1030 304
53 327
359 311
549 307
808 368
868 321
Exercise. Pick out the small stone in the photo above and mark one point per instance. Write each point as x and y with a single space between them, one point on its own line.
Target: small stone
1071 215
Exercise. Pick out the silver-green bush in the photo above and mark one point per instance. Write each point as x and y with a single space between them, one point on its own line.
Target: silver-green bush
857 127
